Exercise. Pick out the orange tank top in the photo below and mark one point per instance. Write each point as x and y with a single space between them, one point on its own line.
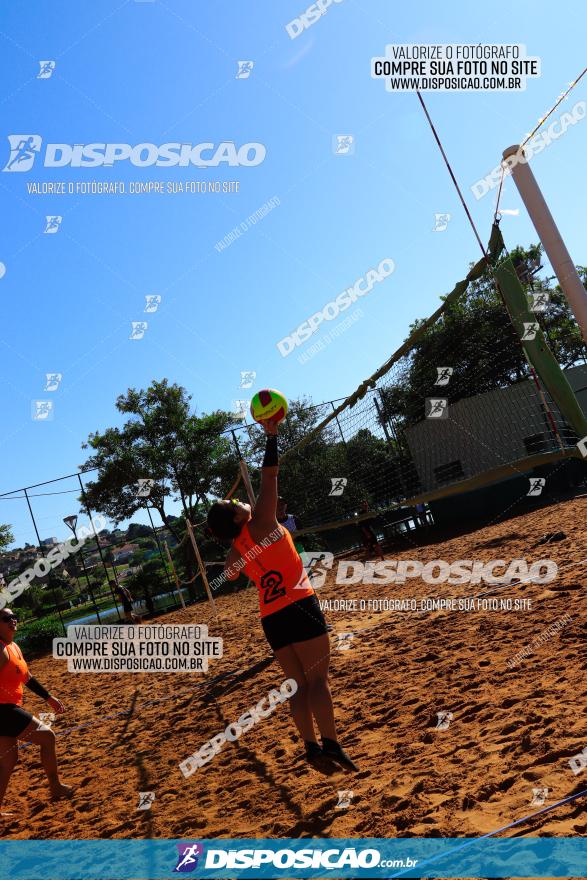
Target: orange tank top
276 569
13 675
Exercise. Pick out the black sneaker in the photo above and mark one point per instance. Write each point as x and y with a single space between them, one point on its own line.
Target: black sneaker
333 750
316 756
312 748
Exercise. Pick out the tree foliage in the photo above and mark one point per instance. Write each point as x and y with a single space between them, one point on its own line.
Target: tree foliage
477 339
191 460
186 455
6 536
305 476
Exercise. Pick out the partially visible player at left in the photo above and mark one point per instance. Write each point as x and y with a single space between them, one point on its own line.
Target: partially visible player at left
15 722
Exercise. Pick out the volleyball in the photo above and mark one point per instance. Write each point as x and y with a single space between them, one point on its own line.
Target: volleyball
269 404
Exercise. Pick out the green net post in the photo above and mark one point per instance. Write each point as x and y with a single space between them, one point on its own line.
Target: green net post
536 348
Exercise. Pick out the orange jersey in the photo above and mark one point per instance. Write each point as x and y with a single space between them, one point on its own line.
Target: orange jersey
13 675
276 569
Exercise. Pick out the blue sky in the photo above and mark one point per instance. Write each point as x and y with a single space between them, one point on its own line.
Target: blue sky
157 72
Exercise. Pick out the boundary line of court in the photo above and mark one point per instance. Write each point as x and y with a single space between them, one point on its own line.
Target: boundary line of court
475 840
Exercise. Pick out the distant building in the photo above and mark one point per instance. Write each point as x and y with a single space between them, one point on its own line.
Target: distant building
487 430
92 559
49 542
124 553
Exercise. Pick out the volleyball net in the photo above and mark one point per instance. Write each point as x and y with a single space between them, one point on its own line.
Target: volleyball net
491 386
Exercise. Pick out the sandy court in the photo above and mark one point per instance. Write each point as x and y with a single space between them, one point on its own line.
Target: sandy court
512 729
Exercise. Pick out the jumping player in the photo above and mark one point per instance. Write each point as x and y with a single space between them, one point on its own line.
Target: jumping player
15 722
291 617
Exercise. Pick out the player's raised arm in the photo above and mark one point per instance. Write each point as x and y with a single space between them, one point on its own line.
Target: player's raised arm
265 513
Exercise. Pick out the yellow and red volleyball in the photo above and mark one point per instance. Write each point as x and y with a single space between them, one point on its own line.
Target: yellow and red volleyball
269 404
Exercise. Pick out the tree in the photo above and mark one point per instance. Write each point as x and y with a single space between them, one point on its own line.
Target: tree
138 530
33 598
185 455
138 557
476 337
41 596
305 475
149 581
6 537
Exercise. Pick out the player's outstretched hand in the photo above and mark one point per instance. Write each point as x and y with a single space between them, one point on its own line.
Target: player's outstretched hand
56 705
269 425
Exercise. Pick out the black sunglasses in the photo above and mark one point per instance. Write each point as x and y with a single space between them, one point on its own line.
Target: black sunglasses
5 618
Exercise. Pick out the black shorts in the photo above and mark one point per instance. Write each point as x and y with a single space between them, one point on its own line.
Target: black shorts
13 719
298 622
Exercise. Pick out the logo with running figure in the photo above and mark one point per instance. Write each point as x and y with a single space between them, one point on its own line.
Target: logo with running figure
53 224
53 381
343 144
46 70
188 855
146 800
444 719
316 565
436 408
244 69
539 796
23 151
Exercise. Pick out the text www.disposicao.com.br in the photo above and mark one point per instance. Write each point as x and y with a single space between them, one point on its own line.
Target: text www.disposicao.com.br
135 664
